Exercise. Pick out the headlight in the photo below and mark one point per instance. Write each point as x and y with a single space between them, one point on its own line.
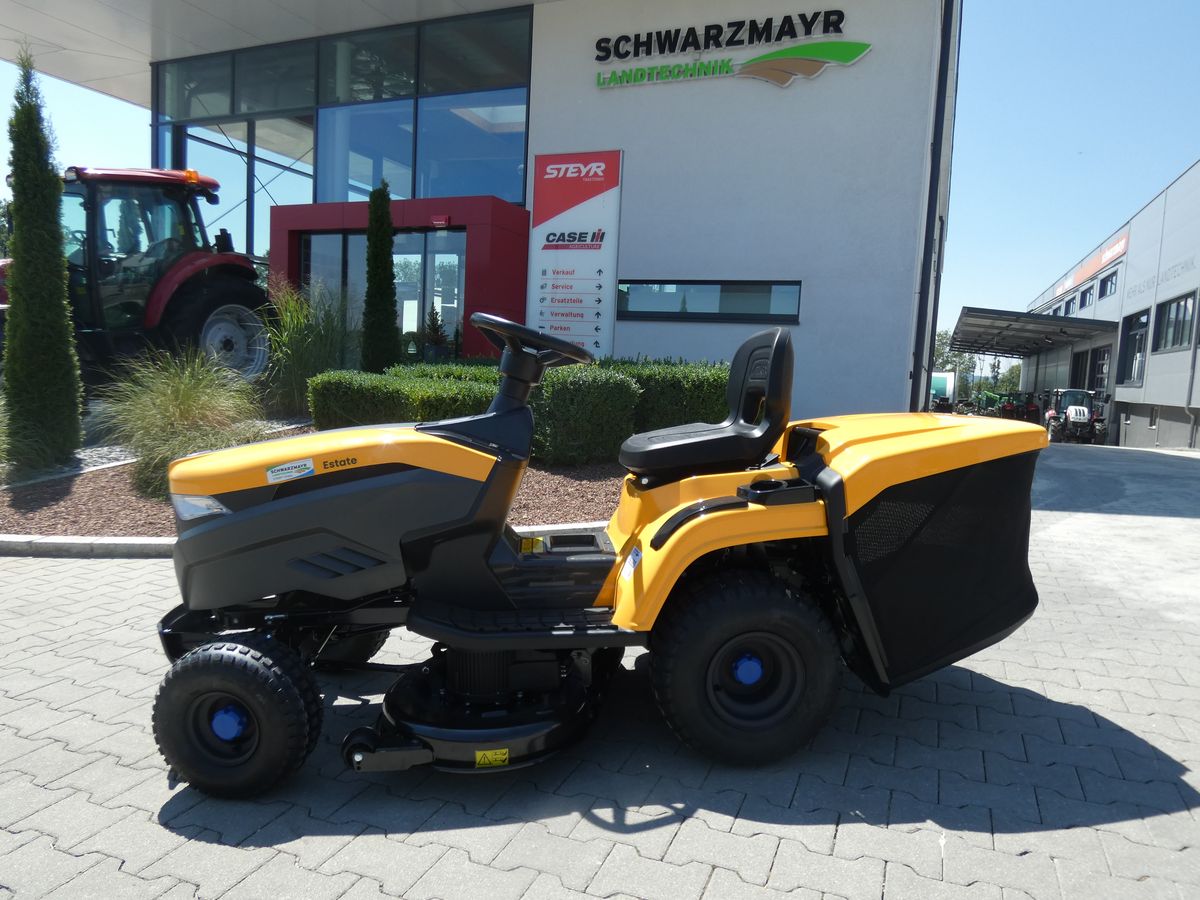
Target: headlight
189 506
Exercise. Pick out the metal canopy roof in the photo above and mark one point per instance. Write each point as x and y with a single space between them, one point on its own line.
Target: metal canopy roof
1001 332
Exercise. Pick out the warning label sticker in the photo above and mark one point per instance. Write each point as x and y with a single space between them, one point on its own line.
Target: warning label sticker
486 759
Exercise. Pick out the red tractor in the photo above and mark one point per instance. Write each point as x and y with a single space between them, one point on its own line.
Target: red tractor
142 268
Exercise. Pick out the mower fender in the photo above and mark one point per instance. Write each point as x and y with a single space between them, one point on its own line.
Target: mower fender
654 557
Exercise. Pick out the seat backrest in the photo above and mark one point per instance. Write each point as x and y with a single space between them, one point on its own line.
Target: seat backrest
760 385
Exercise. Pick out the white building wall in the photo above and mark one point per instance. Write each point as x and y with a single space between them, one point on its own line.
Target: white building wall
823 182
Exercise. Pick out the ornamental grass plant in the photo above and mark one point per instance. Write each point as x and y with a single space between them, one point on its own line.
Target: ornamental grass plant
306 335
163 406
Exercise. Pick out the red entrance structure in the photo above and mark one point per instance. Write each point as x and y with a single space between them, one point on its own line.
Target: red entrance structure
496 257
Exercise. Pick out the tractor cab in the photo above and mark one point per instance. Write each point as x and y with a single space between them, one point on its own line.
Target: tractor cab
140 265
123 231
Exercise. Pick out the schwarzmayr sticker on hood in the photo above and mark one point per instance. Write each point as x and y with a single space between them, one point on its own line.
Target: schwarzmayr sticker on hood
287 471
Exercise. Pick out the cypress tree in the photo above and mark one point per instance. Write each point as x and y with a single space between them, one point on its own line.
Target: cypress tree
42 389
380 333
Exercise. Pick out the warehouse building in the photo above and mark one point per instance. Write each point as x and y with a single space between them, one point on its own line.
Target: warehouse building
1120 322
686 172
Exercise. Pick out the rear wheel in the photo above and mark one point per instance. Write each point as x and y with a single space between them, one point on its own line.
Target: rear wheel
224 320
234 717
743 670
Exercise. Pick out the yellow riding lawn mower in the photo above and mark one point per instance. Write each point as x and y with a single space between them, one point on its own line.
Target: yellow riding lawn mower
751 557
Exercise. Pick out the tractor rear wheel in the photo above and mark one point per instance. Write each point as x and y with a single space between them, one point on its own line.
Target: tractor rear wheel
742 669
223 318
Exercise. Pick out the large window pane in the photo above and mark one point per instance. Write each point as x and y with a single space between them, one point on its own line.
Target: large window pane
221 151
283 171
1132 364
445 274
195 88
408 249
362 145
321 264
376 66
472 144
276 78
476 53
407 252
748 301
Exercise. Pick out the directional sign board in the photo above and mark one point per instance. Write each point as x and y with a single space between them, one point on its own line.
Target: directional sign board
573 247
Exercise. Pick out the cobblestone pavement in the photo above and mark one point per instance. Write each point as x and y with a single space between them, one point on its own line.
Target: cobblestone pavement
1058 763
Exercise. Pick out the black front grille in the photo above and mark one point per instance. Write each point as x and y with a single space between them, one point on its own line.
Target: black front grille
335 563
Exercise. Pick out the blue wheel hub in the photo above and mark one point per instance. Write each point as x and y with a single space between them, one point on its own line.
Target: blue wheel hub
747 669
229 722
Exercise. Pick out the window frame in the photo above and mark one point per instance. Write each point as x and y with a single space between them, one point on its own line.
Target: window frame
1089 293
1110 278
746 318
1123 336
1160 310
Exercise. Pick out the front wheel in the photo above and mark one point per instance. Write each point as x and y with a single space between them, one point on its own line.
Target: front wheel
235 336
235 716
742 670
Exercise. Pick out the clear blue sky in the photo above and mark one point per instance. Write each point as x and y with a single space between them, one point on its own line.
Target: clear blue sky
1071 115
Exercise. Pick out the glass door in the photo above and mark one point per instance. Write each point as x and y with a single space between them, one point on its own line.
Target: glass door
445 273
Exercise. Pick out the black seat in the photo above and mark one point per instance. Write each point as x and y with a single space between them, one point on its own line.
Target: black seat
760 400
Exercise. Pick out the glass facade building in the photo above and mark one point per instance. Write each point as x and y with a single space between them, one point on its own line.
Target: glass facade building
435 109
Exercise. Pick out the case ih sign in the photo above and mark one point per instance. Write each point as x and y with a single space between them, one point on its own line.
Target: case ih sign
573 247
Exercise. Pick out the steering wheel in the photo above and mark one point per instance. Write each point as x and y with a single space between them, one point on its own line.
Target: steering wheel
550 351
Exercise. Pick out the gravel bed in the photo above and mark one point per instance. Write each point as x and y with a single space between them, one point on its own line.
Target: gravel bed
97 503
104 502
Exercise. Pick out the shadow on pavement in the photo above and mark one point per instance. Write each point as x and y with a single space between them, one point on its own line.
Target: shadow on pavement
956 751
1080 478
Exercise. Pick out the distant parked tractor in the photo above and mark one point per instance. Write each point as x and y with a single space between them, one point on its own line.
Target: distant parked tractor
1032 409
1075 415
141 268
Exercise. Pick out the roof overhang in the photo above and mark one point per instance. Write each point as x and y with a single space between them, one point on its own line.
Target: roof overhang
1001 332
108 45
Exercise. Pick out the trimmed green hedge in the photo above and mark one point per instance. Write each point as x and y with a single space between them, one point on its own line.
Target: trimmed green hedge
341 399
481 372
582 414
675 393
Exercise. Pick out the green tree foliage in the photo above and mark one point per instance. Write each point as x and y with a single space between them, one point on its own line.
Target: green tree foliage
41 371
995 372
4 233
407 268
435 329
381 334
1010 379
946 361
